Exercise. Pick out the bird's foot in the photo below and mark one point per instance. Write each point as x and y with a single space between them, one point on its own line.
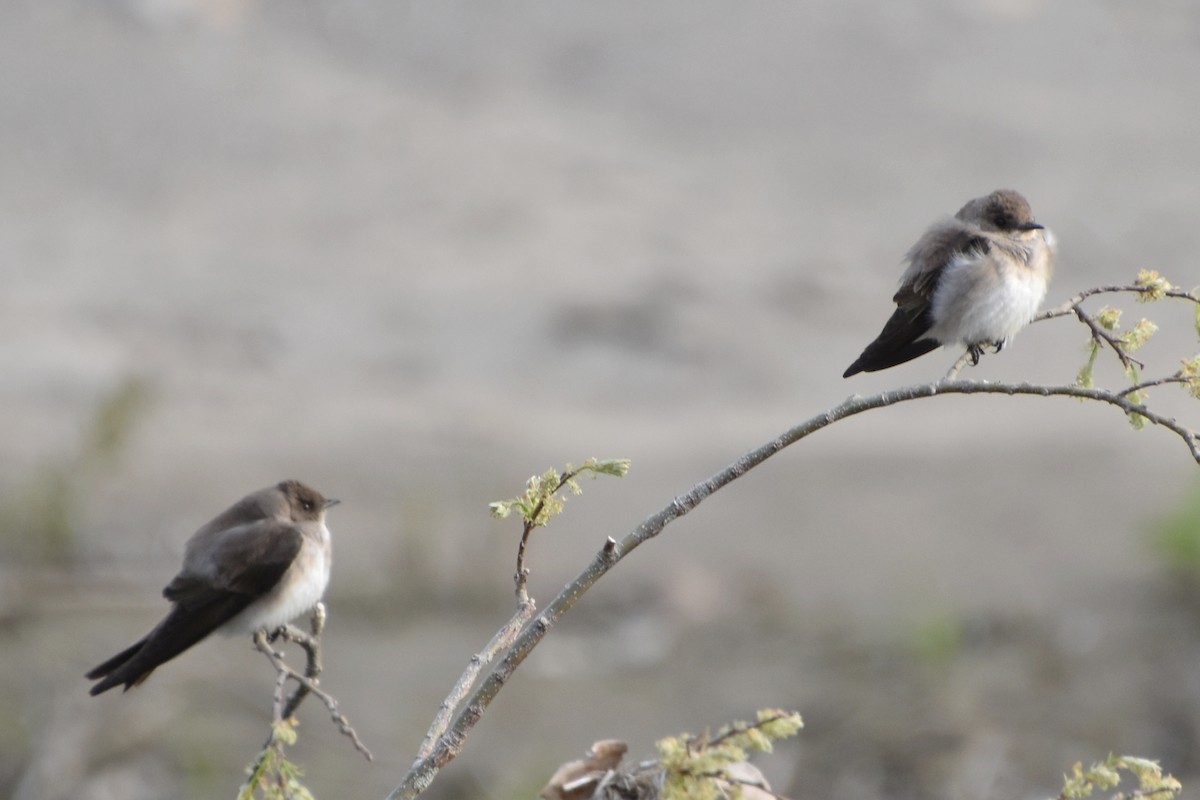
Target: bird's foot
998 346
275 634
976 351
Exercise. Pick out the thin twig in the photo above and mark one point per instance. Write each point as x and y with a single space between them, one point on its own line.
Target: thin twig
447 747
311 644
957 367
522 575
1119 346
1068 306
1137 387
277 697
1099 334
281 710
736 729
276 659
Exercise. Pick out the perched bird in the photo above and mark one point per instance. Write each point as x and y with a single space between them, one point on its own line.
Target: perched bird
974 280
261 563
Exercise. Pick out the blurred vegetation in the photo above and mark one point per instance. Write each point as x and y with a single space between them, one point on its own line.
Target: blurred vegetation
38 522
938 638
1177 539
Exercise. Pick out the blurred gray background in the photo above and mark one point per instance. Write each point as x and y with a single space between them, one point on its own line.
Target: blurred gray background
412 253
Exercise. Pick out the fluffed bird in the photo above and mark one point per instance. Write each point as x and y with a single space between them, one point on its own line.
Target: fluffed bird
972 280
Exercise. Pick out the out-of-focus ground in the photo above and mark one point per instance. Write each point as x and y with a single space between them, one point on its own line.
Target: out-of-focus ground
414 252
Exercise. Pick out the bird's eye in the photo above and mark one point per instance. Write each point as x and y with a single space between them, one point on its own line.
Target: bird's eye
308 505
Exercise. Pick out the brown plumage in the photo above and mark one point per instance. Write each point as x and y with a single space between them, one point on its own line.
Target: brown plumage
260 563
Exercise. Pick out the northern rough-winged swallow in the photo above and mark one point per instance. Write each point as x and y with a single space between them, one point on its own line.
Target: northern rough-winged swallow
261 563
973 280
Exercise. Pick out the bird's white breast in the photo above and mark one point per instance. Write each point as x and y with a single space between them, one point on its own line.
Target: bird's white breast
300 588
987 298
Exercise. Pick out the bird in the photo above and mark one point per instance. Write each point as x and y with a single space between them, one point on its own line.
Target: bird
973 279
259 564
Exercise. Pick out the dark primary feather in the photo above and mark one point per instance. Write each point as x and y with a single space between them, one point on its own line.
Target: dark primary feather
181 629
120 658
254 559
899 341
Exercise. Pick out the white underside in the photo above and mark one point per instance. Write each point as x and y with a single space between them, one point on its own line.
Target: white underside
976 303
300 588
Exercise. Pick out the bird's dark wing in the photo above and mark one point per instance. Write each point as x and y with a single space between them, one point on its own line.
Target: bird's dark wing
899 341
901 338
248 562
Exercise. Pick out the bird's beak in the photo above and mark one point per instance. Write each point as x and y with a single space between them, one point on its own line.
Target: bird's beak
331 502
1030 226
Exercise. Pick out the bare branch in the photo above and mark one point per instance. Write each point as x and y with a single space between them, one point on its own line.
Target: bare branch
1138 387
501 641
276 659
277 697
312 650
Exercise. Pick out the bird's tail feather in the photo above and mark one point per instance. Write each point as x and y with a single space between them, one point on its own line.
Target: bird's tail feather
120 658
181 629
877 361
899 341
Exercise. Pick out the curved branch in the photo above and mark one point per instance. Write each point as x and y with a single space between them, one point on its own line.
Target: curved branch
447 747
